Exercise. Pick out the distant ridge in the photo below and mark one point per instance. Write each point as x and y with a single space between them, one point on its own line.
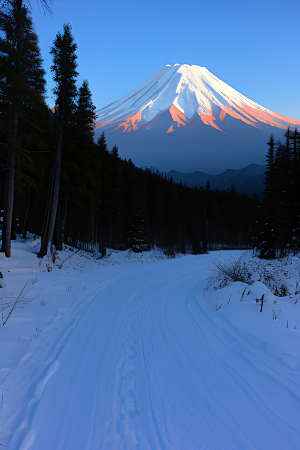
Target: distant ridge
248 179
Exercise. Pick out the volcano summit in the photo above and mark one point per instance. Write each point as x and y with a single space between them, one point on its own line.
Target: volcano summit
185 118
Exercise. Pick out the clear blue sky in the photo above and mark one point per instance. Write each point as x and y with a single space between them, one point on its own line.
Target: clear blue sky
251 45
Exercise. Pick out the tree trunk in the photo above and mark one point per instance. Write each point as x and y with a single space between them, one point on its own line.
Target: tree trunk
24 232
92 226
64 217
49 228
10 178
61 220
10 184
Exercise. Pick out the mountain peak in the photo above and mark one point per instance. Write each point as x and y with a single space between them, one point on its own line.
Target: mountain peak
189 97
193 90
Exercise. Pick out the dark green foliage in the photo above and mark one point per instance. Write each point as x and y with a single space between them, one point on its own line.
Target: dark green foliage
268 210
85 115
65 74
22 78
81 184
140 205
80 157
102 145
140 209
137 239
278 230
22 90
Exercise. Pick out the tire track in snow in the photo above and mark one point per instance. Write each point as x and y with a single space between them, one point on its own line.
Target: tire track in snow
150 318
44 363
246 369
156 404
148 373
126 383
130 385
127 423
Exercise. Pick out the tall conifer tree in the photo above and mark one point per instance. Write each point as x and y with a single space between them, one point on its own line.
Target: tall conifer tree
65 75
22 88
294 195
267 219
85 115
278 230
84 158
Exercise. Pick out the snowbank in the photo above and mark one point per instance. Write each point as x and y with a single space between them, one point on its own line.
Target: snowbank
114 353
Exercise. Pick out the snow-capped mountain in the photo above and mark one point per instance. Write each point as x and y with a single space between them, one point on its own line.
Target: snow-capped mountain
185 118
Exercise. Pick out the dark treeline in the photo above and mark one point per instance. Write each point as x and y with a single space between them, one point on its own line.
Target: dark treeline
62 185
278 227
139 209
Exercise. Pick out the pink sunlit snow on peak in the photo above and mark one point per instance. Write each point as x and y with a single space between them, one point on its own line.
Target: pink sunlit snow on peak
187 91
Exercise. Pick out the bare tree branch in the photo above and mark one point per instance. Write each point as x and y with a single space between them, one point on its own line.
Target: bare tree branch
45 5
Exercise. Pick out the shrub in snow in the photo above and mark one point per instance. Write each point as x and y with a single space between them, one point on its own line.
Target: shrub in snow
228 272
8 304
281 277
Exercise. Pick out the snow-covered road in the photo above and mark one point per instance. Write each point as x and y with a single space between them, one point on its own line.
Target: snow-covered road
143 361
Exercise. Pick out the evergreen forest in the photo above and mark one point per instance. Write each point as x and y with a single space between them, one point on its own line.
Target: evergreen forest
277 230
58 183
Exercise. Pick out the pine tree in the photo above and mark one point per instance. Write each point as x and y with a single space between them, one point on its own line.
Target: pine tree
65 74
267 221
115 152
102 143
85 115
137 240
82 156
270 168
22 89
283 194
80 159
294 195
278 230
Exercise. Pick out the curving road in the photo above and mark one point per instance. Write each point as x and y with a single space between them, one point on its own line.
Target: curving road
144 362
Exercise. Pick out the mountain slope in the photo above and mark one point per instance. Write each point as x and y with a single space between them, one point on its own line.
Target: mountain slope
183 116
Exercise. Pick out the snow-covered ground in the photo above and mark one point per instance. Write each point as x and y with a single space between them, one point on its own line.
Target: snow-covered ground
130 352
